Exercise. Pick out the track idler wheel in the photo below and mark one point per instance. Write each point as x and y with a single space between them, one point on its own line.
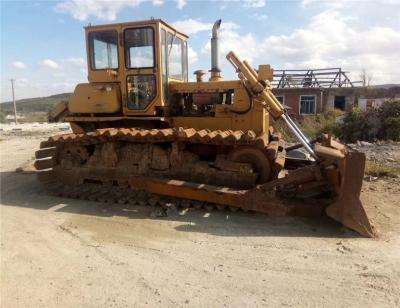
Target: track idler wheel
256 158
72 156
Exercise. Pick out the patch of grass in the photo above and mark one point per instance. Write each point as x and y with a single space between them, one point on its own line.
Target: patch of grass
311 125
281 127
380 169
314 125
2 117
34 117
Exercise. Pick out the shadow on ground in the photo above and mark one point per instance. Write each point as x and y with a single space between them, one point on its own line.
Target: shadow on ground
23 190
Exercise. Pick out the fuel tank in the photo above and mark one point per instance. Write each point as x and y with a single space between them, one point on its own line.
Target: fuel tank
95 98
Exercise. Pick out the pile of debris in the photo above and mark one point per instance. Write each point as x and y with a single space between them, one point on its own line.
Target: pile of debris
383 159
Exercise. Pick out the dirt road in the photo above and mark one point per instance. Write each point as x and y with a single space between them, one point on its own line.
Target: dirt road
58 252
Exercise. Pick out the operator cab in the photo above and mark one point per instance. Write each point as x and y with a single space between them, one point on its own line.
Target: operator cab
137 60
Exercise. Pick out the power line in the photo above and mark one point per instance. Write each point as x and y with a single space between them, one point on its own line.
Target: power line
15 104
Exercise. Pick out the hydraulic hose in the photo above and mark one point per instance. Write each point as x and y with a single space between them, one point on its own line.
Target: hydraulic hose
248 108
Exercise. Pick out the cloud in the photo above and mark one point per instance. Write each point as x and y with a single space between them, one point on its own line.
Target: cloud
244 3
59 75
65 86
260 17
244 45
19 64
48 63
225 26
306 3
327 4
330 39
104 9
254 3
180 4
78 62
192 56
109 9
22 81
192 26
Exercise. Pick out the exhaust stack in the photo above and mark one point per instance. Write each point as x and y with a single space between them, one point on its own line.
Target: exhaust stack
215 68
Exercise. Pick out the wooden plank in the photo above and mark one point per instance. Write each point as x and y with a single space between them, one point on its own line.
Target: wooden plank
47 144
43 153
41 164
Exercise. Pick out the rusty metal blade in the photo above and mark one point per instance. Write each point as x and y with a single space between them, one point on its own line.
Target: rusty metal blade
348 208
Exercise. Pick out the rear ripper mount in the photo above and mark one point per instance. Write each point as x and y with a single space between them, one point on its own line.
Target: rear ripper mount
161 166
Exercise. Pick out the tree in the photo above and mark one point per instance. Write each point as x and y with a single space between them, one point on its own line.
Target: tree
366 78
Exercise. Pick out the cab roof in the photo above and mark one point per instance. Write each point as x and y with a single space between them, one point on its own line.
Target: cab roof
136 23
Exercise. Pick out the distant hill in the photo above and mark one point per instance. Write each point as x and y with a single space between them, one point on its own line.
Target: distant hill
37 104
386 86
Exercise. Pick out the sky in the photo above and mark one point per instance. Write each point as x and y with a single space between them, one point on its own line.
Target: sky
43 43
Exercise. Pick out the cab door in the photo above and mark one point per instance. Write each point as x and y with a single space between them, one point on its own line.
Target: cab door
140 81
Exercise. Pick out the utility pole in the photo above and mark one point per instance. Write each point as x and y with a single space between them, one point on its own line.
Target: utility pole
15 105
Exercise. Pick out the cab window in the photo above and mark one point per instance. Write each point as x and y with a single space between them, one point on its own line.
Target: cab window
139 47
103 50
175 57
141 91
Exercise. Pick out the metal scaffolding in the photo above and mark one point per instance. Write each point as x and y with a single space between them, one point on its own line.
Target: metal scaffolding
312 78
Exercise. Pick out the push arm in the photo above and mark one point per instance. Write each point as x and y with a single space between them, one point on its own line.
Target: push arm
261 89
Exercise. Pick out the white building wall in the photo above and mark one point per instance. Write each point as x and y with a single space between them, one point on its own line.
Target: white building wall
364 103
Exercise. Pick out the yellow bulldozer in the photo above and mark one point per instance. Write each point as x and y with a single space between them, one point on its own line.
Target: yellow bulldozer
144 134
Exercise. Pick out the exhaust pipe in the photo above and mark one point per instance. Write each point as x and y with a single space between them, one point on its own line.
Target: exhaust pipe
215 68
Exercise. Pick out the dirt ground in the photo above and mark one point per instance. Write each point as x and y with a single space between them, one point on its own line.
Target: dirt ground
58 252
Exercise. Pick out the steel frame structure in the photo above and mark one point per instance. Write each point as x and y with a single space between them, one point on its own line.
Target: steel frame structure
312 78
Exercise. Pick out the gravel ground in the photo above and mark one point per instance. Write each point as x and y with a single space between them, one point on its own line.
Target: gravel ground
383 151
58 252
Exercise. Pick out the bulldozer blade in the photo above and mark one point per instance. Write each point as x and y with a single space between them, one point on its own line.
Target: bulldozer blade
348 209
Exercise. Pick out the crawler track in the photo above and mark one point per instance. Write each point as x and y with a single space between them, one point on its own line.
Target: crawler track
190 135
97 165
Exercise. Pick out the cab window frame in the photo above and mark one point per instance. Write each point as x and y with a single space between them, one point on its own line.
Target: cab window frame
125 48
185 60
164 63
92 55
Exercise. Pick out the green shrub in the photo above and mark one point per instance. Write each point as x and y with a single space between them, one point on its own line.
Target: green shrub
359 125
382 123
281 127
389 114
369 125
